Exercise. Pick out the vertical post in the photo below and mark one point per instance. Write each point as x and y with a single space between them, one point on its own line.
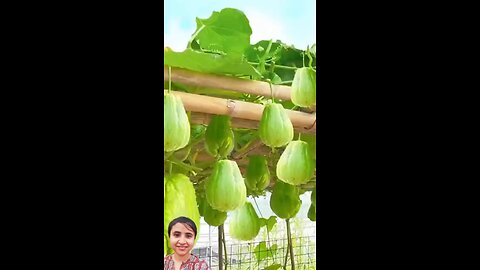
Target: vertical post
250 254
220 247
291 244
210 246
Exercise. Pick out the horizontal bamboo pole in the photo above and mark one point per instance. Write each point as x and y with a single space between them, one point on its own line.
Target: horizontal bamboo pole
204 119
240 109
227 83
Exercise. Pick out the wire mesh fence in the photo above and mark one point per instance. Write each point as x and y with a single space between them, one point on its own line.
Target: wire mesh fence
261 254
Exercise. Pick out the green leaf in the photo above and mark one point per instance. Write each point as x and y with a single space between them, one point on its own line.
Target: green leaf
226 31
313 50
263 222
258 51
261 251
280 54
270 223
273 248
273 267
209 63
197 131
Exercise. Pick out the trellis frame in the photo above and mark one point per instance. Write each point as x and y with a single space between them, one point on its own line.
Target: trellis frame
244 114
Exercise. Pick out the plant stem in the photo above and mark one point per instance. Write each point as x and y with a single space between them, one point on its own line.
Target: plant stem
266 226
167 155
194 36
291 244
286 255
276 66
183 165
271 91
224 248
220 251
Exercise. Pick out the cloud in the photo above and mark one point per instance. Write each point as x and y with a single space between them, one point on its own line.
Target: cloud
291 22
265 26
175 36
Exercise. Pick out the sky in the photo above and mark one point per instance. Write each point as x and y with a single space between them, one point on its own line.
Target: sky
291 21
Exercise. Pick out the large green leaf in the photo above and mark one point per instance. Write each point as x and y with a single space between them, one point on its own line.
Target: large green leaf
261 251
226 31
278 53
208 63
271 222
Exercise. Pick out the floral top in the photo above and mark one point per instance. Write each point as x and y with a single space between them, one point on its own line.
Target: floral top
194 263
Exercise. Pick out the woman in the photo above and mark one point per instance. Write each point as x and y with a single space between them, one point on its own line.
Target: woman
182 232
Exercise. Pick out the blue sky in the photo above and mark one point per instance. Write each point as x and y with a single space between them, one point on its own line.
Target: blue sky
291 21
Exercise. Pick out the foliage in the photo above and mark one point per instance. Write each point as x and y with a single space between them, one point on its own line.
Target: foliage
221 45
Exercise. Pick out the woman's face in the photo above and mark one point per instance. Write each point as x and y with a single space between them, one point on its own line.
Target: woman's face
181 239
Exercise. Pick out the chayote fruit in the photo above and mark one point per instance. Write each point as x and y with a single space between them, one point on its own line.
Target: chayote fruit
258 175
213 217
225 188
285 200
244 223
276 129
219 136
176 127
304 87
296 165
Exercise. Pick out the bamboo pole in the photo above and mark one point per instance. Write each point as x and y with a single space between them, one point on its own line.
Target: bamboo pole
204 119
227 83
240 109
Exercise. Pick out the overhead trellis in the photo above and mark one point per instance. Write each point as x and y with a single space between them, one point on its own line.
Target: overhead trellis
248 114
240 121
244 114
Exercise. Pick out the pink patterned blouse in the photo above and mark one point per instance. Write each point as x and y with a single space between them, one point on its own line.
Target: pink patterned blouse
194 263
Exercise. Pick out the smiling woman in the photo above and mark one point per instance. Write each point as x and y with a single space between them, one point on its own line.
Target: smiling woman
182 232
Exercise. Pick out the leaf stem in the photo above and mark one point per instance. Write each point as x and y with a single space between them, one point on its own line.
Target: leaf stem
189 45
183 165
271 91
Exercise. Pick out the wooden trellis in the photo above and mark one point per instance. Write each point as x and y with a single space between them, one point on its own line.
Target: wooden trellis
244 114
